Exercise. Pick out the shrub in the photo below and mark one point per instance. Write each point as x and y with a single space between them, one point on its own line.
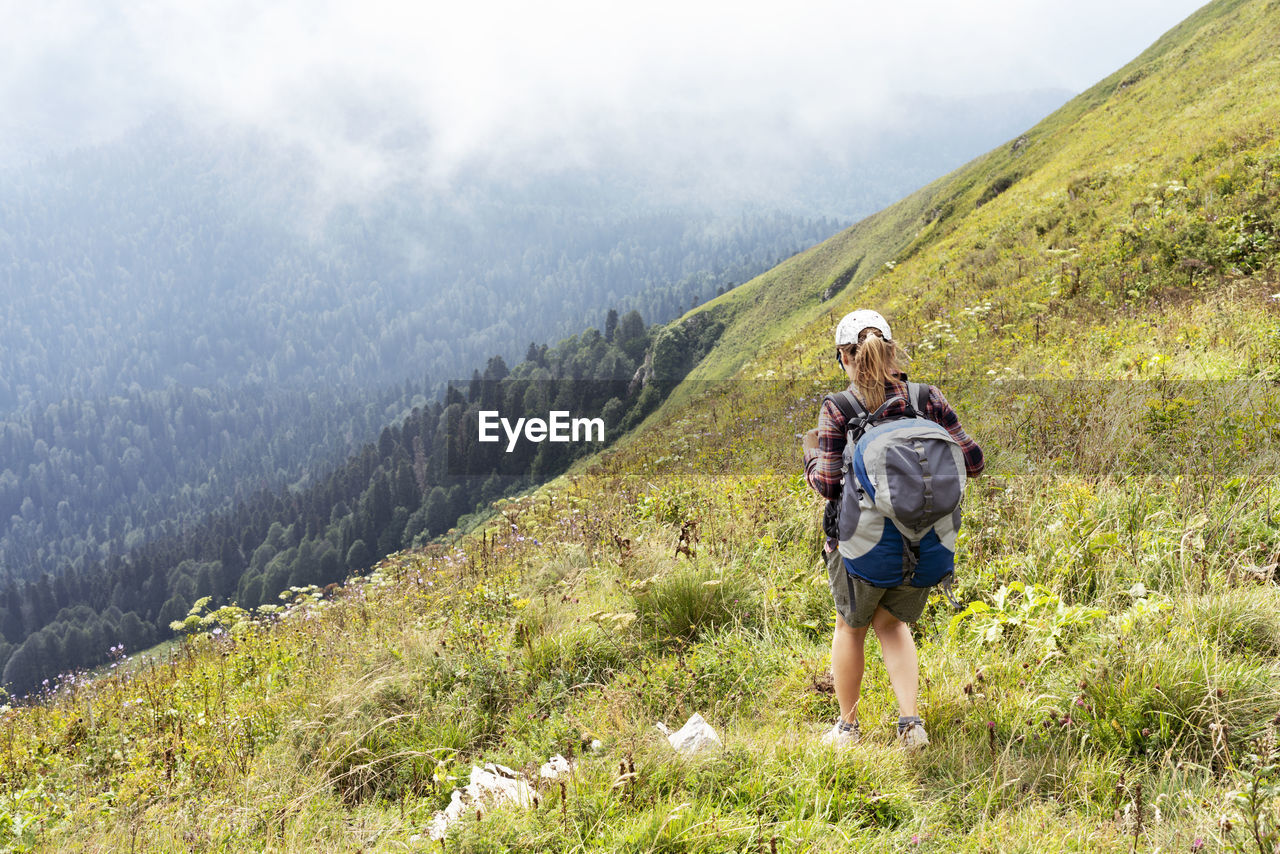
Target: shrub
586 653
1243 622
390 744
1173 696
681 606
1015 614
997 187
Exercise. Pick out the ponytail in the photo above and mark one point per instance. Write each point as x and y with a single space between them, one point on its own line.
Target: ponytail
875 362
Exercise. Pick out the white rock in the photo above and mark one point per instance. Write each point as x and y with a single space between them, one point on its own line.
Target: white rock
501 784
695 736
556 767
440 822
490 786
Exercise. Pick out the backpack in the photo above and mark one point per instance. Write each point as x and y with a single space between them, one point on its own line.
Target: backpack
899 508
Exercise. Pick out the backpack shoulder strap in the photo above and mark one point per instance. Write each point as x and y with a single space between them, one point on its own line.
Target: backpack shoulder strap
918 399
848 405
856 417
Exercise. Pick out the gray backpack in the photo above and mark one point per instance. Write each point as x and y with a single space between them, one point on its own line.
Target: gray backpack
899 508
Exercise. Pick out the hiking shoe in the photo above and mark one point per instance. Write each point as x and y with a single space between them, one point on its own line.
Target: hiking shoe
911 732
842 734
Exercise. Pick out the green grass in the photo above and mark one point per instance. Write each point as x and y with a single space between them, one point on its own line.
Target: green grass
1103 323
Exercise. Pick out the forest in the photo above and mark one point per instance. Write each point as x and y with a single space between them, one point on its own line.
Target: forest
83 479
186 324
413 484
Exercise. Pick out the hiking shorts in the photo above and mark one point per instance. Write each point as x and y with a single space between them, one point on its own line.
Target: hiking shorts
856 600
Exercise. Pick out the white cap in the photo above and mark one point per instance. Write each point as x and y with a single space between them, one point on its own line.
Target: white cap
852 324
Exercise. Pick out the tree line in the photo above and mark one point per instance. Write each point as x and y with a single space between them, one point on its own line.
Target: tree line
413 484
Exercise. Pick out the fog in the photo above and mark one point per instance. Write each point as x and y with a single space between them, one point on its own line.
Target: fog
377 92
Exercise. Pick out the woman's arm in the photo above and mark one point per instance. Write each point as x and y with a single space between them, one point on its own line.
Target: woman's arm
823 460
941 412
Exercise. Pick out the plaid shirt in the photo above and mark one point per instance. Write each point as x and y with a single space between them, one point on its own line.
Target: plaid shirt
823 466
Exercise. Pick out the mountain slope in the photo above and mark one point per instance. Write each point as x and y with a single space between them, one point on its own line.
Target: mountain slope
1211 77
1111 685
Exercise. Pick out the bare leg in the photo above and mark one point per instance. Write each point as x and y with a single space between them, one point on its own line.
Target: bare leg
898 648
847 663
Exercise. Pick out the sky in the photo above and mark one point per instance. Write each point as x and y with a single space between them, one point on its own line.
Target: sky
378 87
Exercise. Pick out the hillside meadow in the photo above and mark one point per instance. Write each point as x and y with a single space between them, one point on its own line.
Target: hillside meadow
1098 299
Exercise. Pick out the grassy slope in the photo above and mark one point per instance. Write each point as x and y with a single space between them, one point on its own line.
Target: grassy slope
1113 706
1098 127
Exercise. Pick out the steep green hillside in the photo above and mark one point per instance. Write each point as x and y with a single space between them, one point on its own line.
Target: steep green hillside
1099 299
1199 102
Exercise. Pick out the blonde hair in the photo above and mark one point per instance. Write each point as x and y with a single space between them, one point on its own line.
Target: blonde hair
875 362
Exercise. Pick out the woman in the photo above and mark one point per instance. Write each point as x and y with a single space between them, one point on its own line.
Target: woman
873 362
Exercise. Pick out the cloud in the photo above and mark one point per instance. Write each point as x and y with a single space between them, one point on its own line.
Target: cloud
376 90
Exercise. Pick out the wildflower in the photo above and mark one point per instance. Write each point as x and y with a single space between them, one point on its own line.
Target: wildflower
1197 844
